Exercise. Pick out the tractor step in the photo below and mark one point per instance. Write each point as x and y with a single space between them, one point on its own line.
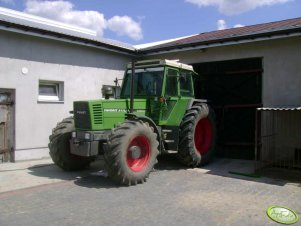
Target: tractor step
171 152
169 141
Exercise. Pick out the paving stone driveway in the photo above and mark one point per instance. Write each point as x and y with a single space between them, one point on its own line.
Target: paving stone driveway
172 196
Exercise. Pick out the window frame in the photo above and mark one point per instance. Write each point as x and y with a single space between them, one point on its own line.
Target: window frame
59 91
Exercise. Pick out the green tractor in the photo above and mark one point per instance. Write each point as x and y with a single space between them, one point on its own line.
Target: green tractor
155 113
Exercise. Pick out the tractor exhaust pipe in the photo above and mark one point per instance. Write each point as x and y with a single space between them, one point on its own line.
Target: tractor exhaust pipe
132 88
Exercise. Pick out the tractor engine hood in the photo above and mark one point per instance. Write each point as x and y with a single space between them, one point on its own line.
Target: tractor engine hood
105 114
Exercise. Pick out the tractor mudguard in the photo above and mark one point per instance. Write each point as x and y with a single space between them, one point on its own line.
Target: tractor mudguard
131 116
196 101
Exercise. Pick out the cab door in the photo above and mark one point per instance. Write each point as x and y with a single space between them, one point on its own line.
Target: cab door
175 105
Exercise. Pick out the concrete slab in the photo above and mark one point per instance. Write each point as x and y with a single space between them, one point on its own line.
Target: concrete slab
26 174
21 165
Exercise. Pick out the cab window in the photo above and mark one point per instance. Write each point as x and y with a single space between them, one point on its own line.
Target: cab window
186 84
147 82
171 89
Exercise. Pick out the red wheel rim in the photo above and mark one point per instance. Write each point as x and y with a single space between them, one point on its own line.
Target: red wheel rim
138 153
203 135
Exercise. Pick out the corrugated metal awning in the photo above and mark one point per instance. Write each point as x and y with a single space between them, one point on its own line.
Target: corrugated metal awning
279 109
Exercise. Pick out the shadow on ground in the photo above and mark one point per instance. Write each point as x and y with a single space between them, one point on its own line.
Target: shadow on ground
94 181
246 170
96 177
236 169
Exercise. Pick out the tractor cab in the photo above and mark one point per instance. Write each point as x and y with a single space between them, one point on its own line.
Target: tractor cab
155 78
164 84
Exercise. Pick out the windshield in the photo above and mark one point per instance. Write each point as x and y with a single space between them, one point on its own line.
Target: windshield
147 82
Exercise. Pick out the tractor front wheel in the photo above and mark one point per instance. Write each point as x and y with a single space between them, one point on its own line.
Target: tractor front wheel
59 147
131 152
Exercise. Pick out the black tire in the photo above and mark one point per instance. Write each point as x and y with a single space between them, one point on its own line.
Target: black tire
59 147
196 150
131 152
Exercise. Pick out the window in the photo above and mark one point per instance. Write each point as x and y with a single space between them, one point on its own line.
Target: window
147 82
186 84
171 83
51 91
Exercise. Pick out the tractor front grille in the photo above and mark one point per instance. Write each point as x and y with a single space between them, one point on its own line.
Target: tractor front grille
82 115
97 114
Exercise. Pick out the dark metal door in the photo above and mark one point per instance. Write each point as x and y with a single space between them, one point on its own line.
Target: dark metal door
6 126
234 90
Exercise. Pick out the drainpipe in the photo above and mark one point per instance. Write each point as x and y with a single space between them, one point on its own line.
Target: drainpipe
132 88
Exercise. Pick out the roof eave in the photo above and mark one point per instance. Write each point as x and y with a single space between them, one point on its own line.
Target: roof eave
4 25
223 41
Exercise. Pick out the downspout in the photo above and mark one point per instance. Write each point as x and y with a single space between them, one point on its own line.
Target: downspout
132 87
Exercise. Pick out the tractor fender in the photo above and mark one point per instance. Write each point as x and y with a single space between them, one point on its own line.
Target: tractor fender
196 101
132 116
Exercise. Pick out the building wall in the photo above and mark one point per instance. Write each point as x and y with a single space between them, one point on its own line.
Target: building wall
82 69
281 64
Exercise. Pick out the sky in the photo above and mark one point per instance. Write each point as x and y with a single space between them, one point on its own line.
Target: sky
144 21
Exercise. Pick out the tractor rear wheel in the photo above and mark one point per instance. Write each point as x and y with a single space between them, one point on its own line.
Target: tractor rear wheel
197 136
59 147
131 152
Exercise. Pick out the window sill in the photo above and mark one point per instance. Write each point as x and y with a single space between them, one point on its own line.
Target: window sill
51 101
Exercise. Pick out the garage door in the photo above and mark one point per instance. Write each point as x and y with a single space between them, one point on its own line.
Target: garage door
234 90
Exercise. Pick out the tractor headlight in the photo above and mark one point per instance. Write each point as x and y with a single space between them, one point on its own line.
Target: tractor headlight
73 134
87 136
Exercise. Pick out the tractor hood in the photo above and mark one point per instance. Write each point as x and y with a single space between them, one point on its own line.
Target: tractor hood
105 114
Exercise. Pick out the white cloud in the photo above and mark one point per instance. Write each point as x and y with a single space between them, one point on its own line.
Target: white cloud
221 25
233 7
64 11
124 25
238 25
